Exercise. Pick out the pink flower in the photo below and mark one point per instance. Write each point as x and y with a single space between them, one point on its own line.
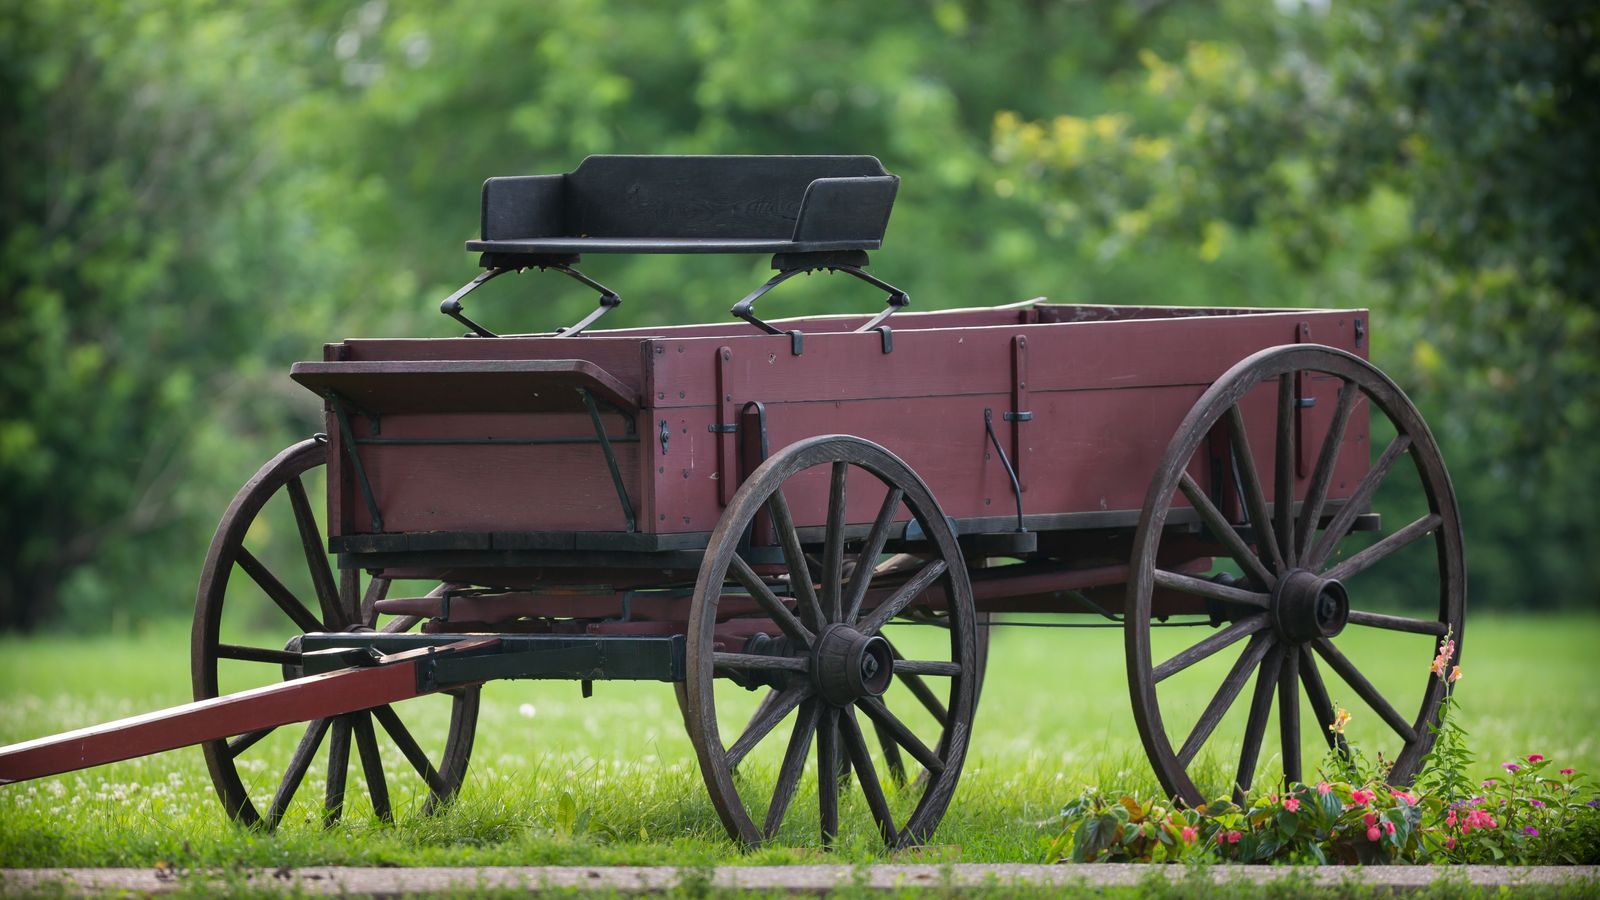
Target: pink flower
1369 820
1325 788
1388 827
1360 797
1537 803
1233 837
1489 784
1535 757
1450 843
1530 830
1189 834
1291 804
1511 767
1405 798
1566 771
1455 674
1450 818
1372 833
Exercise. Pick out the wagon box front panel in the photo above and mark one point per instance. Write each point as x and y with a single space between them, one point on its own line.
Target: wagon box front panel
466 444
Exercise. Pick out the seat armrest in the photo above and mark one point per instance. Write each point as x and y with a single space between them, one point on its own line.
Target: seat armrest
846 209
524 206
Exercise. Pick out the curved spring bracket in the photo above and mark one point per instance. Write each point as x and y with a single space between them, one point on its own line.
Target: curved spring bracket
787 268
609 300
1016 486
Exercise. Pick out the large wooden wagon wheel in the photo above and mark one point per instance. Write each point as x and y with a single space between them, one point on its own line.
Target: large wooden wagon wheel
267 608
834 672
1299 596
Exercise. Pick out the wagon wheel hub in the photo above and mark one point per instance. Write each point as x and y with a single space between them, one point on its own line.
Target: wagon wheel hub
847 665
1306 606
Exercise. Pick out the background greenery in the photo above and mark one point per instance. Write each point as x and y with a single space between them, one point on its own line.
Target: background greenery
196 194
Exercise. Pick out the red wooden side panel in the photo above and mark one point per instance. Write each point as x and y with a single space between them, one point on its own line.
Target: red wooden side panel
1107 388
1107 396
504 487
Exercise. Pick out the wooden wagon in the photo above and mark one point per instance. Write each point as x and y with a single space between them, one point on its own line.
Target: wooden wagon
808 525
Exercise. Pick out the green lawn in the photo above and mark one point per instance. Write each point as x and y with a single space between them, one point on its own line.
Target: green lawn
1054 718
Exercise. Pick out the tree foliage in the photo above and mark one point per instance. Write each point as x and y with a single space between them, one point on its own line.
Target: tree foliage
197 194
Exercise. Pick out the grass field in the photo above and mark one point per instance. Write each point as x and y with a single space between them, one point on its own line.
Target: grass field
558 779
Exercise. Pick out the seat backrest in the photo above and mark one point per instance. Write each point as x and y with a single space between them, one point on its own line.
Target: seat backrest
698 196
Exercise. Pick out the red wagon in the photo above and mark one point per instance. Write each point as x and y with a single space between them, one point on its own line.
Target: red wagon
807 524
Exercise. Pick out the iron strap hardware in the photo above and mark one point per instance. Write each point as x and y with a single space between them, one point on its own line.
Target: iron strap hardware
1016 488
1020 411
725 428
611 459
337 403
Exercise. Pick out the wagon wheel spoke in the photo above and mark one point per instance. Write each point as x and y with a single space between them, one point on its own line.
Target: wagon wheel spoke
773 710
338 770
794 764
1289 714
904 667
1255 500
769 603
871 549
280 595
258 654
1322 474
1399 623
891 754
1359 562
1255 728
1201 587
1223 530
414 754
756 662
897 602
316 556
1249 659
1287 452
245 741
298 764
856 747
377 589
1321 705
372 766
795 557
1216 642
1364 689
919 689
827 774
1359 498
873 707
833 544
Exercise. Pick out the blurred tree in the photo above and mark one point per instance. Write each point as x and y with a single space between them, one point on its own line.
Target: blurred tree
141 255
197 194
1431 159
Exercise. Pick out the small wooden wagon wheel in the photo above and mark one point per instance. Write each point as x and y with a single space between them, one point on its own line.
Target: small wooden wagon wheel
1300 596
820 645
243 769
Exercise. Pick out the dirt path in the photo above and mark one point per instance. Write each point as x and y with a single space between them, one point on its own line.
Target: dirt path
802 879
